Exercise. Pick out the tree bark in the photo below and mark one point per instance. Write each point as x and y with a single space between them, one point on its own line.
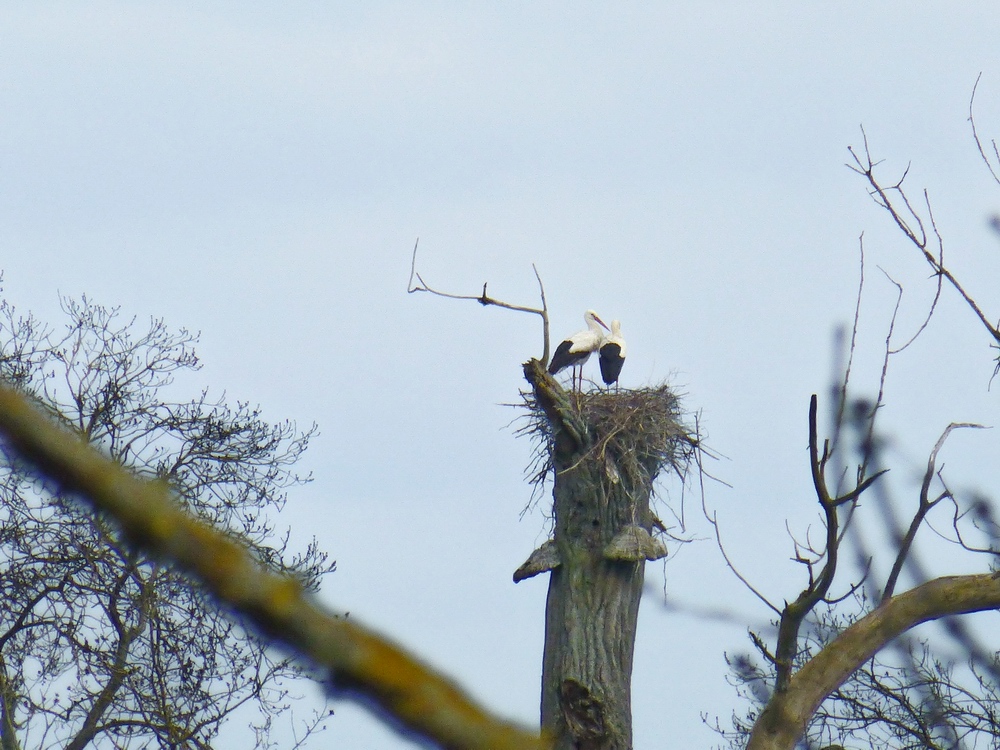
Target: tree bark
590 623
593 599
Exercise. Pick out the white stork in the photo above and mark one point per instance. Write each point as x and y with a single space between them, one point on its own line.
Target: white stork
612 354
576 350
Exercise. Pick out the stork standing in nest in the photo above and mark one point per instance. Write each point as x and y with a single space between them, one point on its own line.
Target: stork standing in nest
612 354
576 350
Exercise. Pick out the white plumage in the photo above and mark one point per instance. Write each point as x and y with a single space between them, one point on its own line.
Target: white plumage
576 350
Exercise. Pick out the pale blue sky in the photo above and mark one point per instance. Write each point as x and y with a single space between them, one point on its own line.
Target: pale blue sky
260 171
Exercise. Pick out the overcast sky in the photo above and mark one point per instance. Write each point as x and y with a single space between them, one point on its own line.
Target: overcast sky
261 171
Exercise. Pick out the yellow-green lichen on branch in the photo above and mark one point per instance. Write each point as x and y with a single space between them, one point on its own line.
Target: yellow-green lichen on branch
425 702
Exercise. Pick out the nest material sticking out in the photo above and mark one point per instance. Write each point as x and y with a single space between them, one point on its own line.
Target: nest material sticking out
636 433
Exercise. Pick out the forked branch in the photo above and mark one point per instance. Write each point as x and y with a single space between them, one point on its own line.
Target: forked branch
897 204
924 506
794 613
485 300
783 721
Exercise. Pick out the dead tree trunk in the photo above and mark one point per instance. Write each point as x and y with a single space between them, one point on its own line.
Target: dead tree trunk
605 458
590 615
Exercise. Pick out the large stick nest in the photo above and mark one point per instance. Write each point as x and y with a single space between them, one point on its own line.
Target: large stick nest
638 433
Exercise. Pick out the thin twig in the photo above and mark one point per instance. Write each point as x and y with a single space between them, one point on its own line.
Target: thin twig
976 138
842 399
729 564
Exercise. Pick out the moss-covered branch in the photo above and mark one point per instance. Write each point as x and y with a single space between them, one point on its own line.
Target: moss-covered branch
784 720
379 673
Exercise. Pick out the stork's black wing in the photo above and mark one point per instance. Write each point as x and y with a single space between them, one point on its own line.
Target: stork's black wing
563 358
611 362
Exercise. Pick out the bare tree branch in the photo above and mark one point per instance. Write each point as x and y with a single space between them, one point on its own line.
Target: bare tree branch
485 300
897 204
923 508
729 564
784 720
794 613
379 672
